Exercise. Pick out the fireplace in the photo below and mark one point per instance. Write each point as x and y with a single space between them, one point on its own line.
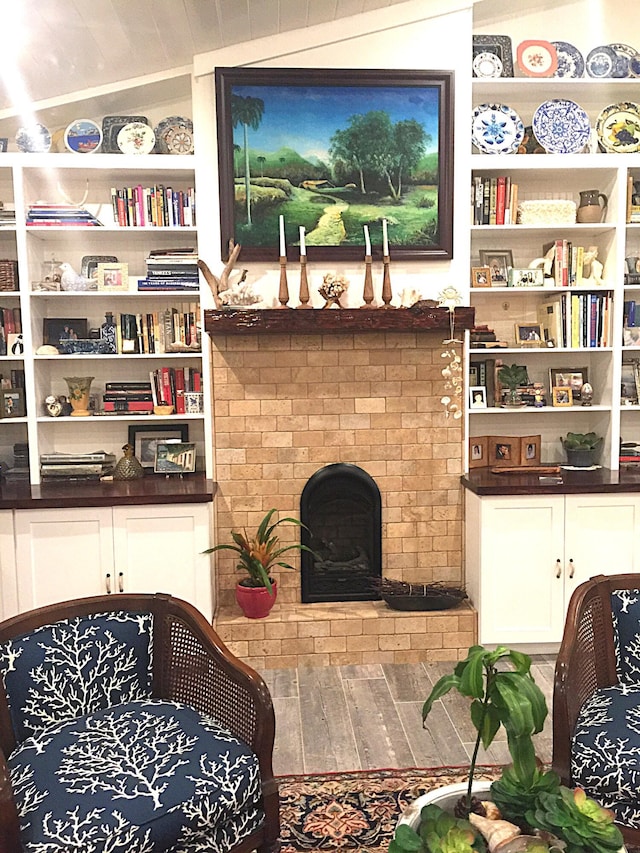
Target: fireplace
341 507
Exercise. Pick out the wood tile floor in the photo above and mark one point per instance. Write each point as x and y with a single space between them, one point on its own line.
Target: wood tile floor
369 717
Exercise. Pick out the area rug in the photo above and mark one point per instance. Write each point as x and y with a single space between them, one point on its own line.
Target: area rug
357 810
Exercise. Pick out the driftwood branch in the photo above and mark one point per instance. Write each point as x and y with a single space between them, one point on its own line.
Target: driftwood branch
218 285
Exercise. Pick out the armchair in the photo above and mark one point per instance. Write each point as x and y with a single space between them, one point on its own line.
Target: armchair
126 726
596 697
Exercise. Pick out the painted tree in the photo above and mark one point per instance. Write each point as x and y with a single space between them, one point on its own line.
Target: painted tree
409 143
248 112
262 160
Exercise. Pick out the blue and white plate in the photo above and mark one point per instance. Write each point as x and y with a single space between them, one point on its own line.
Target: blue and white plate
624 54
561 126
634 65
601 61
496 129
570 60
33 139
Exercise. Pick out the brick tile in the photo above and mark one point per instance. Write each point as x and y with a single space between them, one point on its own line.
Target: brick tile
330 644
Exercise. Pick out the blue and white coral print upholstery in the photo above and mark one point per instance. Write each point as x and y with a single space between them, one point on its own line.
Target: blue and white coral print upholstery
101 765
605 752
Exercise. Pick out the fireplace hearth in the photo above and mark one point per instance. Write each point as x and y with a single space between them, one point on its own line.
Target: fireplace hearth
341 507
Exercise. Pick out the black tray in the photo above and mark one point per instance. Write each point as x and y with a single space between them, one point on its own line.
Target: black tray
422 602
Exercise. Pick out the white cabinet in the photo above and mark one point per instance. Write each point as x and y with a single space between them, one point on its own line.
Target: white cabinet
70 553
526 555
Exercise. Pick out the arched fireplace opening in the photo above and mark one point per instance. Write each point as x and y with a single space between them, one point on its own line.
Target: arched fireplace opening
341 507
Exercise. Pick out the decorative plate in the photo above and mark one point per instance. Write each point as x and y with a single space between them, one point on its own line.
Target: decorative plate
601 61
624 54
496 129
500 45
618 127
537 58
487 64
34 139
634 65
570 60
136 138
111 127
561 126
83 136
174 135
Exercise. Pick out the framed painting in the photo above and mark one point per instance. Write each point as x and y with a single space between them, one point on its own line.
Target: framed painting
359 158
146 438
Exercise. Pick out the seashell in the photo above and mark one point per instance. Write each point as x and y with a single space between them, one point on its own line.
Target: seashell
496 832
491 810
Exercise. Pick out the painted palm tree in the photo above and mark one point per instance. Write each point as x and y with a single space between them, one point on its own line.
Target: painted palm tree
247 111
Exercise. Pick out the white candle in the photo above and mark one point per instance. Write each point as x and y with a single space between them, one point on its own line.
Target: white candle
283 247
385 239
367 241
303 248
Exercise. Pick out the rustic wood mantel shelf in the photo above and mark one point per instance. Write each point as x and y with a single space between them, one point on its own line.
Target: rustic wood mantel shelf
421 317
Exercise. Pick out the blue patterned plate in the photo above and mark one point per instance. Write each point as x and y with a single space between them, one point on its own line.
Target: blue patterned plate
618 128
570 60
496 129
561 126
601 61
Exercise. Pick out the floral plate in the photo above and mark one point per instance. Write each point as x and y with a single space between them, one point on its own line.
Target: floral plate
561 126
570 60
496 129
537 58
174 135
487 64
136 138
618 128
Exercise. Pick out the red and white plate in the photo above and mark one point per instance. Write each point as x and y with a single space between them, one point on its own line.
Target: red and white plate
537 58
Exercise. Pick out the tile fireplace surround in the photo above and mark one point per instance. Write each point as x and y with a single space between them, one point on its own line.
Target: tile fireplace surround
289 400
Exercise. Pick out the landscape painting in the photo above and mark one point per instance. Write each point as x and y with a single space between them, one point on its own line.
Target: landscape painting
333 151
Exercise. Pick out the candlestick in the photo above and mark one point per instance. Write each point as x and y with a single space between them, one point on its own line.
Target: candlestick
283 292
387 294
283 245
367 294
367 241
303 247
304 284
385 239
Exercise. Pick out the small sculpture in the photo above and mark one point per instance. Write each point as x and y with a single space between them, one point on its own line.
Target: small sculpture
586 394
220 284
128 468
71 280
53 406
332 288
592 268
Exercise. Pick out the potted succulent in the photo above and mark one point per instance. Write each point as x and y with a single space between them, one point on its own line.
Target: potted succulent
257 555
513 376
582 448
529 809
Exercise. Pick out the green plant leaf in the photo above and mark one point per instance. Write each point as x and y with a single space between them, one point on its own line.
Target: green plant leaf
442 686
471 676
407 838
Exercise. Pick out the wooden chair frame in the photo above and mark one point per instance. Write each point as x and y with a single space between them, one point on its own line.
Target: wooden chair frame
192 665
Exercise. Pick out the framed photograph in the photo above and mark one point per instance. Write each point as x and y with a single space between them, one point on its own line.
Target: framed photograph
503 451
480 277
561 396
628 388
59 330
175 457
530 450
478 451
113 276
477 397
12 403
569 377
145 439
499 261
525 278
89 268
529 334
297 143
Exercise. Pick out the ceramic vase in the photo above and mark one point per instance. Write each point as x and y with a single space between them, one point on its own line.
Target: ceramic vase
255 601
79 390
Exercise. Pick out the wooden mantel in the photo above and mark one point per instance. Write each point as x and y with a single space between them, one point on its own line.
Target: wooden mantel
421 317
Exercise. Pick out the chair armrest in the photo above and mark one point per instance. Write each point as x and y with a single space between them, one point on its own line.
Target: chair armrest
9 826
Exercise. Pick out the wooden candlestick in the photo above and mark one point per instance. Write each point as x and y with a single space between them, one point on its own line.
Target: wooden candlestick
304 284
283 293
367 294
387 295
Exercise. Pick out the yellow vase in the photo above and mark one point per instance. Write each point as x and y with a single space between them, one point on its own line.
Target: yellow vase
79 390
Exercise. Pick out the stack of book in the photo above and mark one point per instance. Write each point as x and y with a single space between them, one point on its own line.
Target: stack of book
171 269
170 384
630 453
7 214
20 468
577 320
60 215
121 398
482 337
176 329
568 262
76 466
157 206
494 200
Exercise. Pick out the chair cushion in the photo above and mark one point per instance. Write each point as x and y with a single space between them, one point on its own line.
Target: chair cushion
140 777
605 751
76 667
625 608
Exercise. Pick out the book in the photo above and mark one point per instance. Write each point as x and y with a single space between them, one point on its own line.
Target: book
501 189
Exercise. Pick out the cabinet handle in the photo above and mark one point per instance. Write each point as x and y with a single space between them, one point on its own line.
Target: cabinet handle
107 578
121 581
558 568
573 569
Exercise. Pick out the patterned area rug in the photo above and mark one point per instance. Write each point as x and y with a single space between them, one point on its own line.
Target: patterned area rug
358 810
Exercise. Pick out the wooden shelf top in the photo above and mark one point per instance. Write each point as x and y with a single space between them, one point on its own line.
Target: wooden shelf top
484 483
421 317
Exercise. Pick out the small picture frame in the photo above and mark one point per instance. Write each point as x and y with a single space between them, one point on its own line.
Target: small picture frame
480 277
12 403
4 144
58 330
499 261
478 451
504 451
477 397
113 277
175 457
529 335
569 377
561 396
525 278
530 450
628 387
145 439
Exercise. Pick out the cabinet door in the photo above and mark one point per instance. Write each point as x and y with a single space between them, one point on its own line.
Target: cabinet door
520 582
159 549
8 588
602 536
63 554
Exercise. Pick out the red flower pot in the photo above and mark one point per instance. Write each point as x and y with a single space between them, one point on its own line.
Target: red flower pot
255 601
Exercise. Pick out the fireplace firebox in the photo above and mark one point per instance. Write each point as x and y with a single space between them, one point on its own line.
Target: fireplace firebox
341 507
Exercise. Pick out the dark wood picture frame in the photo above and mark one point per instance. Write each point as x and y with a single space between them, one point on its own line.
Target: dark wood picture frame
499 261
331 111
145 438
12 403
569 377
55 330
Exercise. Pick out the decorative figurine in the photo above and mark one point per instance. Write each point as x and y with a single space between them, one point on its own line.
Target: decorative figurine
128 468
586 394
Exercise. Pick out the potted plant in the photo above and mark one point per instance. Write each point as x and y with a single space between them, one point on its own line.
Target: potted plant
513 376
529 810
582 448
257 555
